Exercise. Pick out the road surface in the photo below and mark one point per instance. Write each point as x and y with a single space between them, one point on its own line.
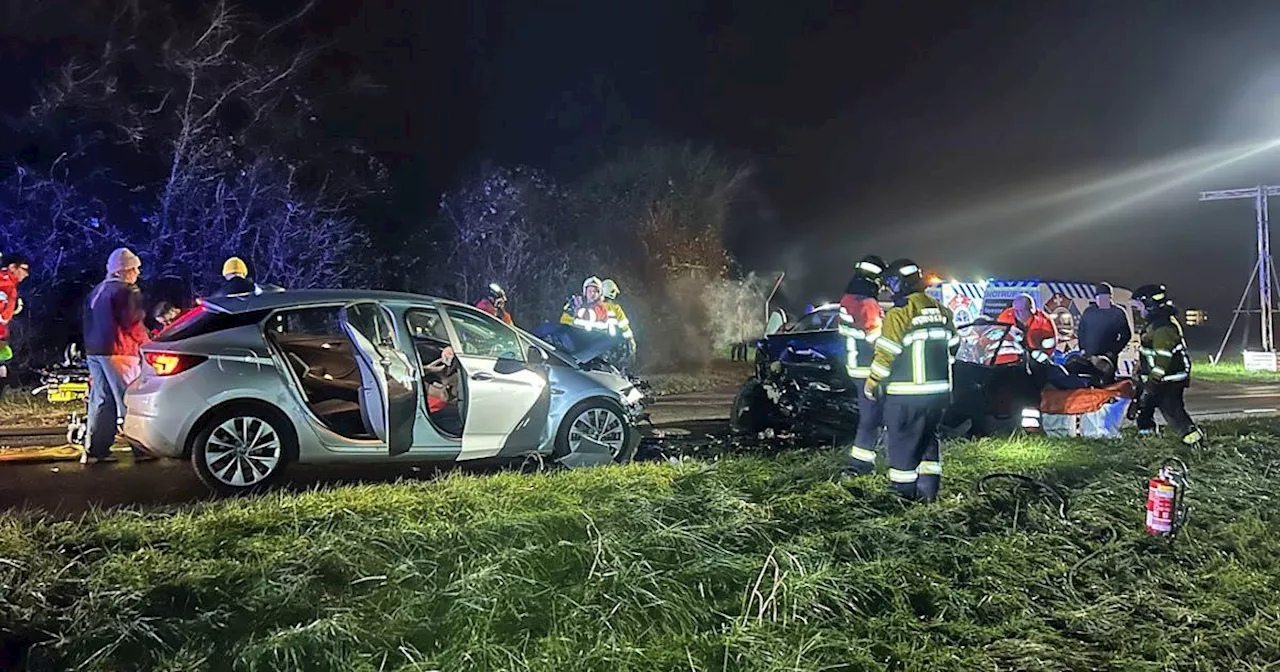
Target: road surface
68 489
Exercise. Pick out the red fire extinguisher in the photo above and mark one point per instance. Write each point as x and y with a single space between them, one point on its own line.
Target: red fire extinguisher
1166 511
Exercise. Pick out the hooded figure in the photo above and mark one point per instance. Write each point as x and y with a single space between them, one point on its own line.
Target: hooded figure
114 330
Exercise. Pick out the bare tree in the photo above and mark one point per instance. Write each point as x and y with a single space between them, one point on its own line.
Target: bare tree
223 117
499 230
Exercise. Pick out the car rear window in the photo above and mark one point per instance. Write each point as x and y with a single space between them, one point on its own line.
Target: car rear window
199 321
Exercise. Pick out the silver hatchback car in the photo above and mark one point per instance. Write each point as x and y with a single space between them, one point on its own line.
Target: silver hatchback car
244 386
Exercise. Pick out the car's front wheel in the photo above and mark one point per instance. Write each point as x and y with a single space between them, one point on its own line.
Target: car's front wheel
241 450
594 432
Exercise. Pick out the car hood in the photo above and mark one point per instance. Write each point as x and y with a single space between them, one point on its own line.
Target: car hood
610 380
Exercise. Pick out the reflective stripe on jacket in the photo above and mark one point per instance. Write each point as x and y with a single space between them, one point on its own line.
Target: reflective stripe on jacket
1039 337
861 319
914 351
1163 351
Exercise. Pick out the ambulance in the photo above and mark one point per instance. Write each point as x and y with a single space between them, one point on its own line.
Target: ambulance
1063 301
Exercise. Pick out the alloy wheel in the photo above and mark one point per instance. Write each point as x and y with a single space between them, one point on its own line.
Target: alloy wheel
243 451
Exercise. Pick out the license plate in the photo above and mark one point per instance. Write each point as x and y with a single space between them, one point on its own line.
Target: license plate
68 392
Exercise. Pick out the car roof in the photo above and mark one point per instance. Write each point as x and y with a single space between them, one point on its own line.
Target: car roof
310 297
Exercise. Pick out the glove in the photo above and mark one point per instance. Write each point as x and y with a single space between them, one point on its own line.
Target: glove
18 306
871 389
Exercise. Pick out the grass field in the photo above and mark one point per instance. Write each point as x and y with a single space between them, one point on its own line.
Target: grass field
1231 371
740 564
19 408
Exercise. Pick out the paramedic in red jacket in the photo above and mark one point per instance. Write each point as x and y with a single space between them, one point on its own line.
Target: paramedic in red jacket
15 270
1033 334
860 320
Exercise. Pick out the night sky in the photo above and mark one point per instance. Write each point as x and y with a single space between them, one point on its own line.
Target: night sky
945 131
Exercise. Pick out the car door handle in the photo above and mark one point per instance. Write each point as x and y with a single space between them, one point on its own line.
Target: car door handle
482 375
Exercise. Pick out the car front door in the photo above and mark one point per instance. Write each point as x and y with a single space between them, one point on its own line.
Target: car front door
506 398
389 382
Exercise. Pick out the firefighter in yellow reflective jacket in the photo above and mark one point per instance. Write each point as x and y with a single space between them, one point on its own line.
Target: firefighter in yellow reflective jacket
617 316
586 311
912 369
1164 367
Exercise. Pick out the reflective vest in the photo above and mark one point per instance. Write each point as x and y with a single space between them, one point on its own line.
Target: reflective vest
1039 338
913 352
617 321
589 318
1164 352
860 323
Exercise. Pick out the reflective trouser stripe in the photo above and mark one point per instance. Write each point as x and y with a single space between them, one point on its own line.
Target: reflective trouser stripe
930 468
902 388
862 454
900 476
1031 418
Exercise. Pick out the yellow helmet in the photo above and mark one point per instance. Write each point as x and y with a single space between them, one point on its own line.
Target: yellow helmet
235 266
609 289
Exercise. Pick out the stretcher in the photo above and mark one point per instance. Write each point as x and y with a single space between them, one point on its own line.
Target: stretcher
69 382
1092 413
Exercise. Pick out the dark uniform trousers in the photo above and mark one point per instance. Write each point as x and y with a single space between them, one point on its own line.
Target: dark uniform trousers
915 466
870 421
1167 398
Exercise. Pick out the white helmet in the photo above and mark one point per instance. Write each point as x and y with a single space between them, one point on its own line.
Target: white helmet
609 289
592 281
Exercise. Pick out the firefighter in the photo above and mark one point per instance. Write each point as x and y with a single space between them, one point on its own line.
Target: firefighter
586 311
495 303
912 369
16 268
860 320
1164 367
617 317
1034 336
235 276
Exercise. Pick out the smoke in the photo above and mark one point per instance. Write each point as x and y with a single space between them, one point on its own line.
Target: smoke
737 309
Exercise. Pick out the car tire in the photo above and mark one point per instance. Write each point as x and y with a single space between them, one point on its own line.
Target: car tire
751 409
260 444
601 413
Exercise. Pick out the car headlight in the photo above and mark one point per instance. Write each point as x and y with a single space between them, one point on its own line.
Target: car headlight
631 395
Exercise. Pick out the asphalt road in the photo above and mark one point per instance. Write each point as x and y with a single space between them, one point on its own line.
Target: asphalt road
67 489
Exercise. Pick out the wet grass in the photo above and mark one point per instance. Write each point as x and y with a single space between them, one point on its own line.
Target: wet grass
1229 371
743 563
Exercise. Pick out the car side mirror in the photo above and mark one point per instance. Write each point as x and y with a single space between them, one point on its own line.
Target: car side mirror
507 365
535 356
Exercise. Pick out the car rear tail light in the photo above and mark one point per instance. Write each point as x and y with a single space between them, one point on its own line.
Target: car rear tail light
185 318
171 364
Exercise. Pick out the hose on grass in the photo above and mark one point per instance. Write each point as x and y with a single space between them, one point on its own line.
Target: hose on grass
1063 505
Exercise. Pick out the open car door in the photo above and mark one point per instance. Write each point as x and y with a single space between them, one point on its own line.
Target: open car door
507 397
388 382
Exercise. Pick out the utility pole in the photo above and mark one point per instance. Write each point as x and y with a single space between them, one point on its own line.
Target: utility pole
1264 269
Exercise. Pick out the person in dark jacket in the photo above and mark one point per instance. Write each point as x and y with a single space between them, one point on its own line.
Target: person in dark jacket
113 333
236 282
1104 329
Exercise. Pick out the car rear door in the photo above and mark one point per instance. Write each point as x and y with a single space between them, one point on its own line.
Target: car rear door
389 382
507 400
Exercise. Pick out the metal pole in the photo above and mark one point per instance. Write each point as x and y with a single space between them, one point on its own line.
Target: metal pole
1264 272
769 300
1238 311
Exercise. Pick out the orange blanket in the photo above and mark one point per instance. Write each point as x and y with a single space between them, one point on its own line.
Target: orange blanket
1074 402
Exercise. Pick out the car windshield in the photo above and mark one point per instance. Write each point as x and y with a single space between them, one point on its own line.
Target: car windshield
979 342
